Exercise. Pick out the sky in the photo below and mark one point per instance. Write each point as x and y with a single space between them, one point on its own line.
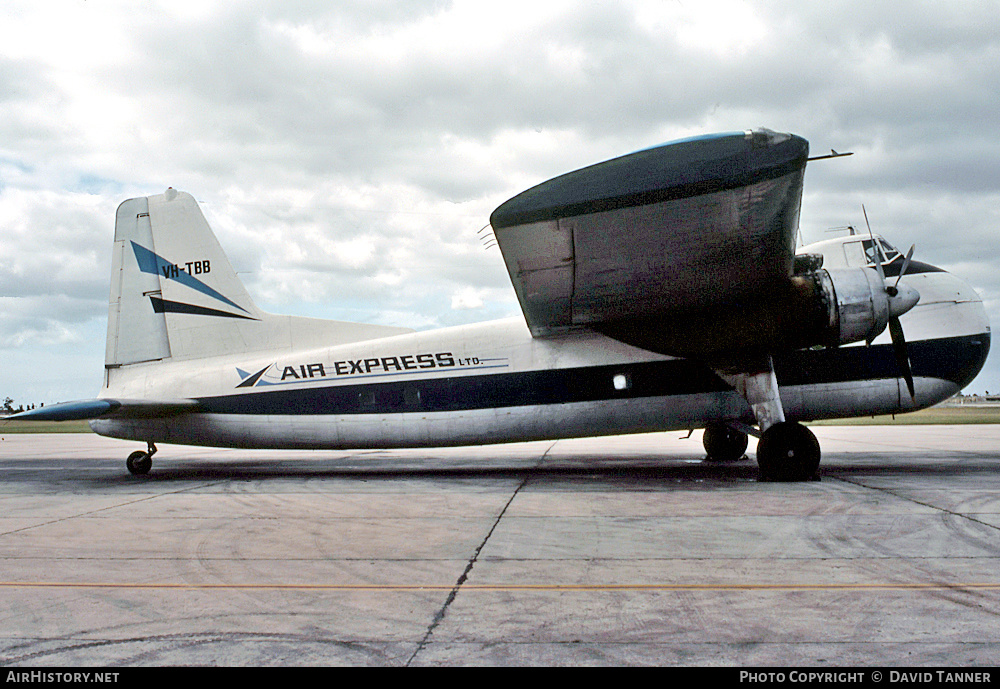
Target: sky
348 154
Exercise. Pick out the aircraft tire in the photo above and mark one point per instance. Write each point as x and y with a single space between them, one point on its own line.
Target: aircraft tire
788 451
139 463
723 443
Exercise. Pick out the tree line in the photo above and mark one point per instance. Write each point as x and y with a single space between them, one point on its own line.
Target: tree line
8 406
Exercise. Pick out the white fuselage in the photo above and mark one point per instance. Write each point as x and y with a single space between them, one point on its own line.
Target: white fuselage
494 382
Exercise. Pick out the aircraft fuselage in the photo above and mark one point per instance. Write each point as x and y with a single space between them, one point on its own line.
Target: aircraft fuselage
494 382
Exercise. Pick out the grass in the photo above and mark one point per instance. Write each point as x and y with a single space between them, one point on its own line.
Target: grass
934 415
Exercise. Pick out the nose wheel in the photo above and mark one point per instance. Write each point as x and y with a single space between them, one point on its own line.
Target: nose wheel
139 462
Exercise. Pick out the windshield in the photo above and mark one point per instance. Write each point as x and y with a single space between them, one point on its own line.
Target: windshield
879 250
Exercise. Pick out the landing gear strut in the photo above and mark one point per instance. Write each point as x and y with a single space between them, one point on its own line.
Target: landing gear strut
788 451
723 443
139 462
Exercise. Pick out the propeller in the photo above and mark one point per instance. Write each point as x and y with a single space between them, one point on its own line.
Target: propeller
901 299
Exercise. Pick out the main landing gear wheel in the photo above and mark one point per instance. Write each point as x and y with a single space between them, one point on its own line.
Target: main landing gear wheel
139 462
723 443
788 451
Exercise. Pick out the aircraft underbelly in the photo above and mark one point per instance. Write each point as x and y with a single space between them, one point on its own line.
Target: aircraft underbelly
520 423
468 427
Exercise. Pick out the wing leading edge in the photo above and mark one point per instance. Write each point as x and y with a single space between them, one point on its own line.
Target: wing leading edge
691 225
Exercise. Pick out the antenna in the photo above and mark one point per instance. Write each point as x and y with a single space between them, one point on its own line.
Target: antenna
832 154
849 228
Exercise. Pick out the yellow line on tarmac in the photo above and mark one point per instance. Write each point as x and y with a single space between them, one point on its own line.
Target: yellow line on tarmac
509 587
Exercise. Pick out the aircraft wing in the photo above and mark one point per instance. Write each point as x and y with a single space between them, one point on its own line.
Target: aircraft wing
686 227
105 408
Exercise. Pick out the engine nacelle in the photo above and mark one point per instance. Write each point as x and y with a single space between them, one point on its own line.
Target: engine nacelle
856 301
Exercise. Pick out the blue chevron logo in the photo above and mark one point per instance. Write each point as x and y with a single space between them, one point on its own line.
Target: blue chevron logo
154 264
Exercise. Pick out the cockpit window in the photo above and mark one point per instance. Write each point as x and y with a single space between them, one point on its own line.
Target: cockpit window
873 253
879 250
888 250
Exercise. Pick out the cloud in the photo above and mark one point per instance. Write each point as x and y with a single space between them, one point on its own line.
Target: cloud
49 245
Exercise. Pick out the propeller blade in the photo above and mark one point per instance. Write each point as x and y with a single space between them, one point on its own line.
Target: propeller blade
902 356
875 248
906 264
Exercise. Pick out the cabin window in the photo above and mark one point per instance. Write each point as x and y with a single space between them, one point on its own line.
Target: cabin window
411 397
622 381
366 399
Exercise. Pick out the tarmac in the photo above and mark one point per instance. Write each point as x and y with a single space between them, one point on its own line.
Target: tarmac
614 551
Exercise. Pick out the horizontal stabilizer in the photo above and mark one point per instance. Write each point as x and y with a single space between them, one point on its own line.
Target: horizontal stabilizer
103 408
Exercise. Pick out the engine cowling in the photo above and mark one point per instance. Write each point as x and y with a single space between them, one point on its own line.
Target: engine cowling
858 304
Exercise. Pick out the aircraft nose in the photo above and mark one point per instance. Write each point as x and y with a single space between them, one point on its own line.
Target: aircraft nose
901 299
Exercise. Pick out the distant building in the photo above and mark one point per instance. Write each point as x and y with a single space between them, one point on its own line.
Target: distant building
961 399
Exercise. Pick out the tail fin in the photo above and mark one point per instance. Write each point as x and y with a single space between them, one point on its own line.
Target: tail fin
173 291
175 295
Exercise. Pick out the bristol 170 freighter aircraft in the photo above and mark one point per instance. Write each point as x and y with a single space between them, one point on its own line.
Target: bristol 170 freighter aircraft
660 291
